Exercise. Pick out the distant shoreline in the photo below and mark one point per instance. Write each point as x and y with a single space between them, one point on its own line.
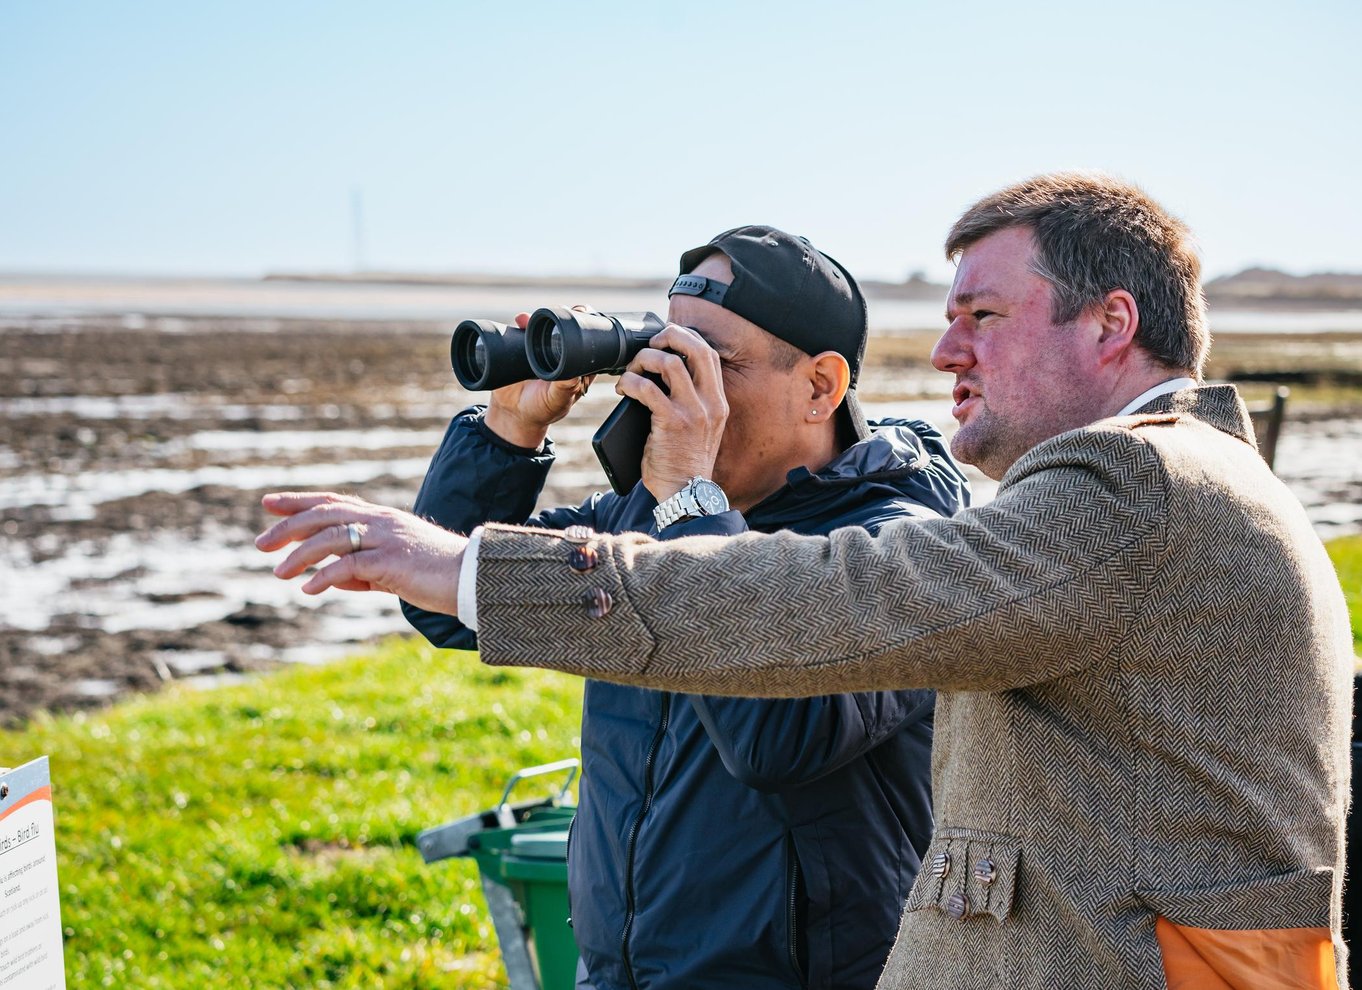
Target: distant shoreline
916 288
176 304
1252 289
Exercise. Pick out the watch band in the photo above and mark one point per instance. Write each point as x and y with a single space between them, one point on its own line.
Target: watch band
680 506
685 505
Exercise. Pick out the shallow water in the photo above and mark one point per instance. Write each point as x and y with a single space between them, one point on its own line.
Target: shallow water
120 582
131 465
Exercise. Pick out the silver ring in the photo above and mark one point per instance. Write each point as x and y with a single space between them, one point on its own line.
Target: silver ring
352 530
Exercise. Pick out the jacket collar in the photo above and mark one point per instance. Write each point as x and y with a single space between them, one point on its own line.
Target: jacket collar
1215 405
1218 406
906 459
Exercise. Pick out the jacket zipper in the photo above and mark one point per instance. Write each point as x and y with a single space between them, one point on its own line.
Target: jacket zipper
663 717
792 905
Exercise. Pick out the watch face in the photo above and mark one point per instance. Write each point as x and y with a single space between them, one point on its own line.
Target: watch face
711 497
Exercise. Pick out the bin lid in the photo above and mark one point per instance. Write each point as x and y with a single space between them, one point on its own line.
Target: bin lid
541 845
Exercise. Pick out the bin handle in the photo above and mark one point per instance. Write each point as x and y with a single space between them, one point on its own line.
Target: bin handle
505 816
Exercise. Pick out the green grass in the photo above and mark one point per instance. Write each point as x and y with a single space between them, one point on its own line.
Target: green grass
1347 556
263 835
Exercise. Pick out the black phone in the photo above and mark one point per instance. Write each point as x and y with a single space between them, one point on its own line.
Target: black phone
619 444
619 441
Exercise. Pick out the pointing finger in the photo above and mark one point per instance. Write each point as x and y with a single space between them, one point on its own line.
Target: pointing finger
306 522
289 503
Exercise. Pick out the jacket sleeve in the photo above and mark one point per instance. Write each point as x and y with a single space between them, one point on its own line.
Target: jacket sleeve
474 478
1010 594
775 744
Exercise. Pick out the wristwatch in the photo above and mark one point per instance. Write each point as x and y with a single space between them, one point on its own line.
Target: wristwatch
700 497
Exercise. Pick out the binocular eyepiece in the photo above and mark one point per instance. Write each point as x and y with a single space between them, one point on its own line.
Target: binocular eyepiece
555 344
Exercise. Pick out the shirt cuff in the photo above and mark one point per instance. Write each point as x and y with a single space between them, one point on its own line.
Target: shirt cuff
468 582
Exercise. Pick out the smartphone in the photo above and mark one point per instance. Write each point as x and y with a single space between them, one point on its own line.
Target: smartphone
619 441
619 444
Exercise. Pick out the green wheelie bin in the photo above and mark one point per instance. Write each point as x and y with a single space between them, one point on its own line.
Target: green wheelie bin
521 852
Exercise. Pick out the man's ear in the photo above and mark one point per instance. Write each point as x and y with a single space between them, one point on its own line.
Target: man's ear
1118 320
829 379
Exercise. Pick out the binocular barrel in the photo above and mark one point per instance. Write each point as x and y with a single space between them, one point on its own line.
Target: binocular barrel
556 344
487 355
563 343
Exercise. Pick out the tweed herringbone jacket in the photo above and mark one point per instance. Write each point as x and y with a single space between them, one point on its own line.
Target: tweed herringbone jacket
1146 677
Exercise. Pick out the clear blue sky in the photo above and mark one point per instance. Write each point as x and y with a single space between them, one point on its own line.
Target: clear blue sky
546 137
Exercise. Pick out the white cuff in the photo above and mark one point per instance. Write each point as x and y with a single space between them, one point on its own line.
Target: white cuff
468 581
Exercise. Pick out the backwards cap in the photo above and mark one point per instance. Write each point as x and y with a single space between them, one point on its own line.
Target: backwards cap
793 291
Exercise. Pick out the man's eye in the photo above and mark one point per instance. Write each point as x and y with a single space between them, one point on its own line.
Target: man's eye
979 314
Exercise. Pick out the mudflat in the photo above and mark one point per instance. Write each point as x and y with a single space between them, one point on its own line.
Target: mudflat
133 453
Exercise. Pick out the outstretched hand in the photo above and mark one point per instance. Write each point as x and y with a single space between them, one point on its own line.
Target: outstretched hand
397 552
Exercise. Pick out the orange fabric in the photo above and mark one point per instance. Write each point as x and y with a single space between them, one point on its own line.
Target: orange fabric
1262 959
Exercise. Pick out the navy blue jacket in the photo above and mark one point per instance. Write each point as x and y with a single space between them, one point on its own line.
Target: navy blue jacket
731 842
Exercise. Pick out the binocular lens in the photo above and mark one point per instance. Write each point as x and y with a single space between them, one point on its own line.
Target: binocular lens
475 355
548 348
546 344
488 355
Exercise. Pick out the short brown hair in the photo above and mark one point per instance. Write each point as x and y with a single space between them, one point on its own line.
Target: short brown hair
783 356
1095 233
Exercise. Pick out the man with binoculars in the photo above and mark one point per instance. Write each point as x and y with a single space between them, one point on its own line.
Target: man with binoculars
726 842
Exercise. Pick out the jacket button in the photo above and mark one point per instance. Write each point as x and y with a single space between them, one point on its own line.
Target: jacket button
957 906
941 865
985 872
578 534
582 559
598 603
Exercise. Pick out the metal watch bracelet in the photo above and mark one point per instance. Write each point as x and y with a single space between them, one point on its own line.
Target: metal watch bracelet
699 497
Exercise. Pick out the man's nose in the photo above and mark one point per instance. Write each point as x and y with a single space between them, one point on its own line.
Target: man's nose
952 352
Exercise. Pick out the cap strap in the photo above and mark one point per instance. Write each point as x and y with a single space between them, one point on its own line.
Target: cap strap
711 290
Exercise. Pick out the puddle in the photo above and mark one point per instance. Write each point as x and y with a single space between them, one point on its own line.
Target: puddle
78 494
183 662
96 688
285 441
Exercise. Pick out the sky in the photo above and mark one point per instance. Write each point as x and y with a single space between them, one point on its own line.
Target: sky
604 138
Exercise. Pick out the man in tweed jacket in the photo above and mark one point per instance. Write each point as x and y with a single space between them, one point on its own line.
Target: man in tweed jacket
1144 662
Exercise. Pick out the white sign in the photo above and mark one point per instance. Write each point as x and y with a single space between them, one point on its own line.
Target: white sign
30 911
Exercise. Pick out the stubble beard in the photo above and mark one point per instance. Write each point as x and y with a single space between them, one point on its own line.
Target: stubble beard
993 443
989 443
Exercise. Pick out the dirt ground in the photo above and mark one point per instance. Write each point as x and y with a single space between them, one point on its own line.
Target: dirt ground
139 412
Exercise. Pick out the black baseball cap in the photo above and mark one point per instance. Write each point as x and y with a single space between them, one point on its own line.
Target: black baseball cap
793 291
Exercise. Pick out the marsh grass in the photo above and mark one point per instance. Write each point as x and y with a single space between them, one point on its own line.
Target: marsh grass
264 835
1347 556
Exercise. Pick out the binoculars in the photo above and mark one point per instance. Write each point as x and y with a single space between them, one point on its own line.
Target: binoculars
555 344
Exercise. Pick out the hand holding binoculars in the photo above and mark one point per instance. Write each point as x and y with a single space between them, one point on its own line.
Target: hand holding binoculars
555 344
562 343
